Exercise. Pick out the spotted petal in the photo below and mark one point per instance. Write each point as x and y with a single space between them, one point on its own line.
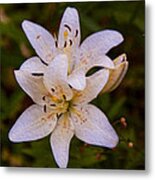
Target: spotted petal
92 127
32 125
32 85
60 140
55 77
98 44
69 28
94 85
41 40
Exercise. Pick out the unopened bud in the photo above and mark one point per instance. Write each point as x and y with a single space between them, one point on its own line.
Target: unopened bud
130 144
123 122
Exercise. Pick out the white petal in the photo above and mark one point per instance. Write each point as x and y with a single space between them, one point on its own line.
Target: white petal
55 77
60 140
32 125
33 65
77 79
92 126
94 85
99 44
41 40
70 25
103 61
32 85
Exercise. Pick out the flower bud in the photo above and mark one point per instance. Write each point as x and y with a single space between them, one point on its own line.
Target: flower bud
130 144
116 74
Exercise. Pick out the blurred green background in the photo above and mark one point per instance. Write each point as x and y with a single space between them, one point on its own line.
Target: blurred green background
126 101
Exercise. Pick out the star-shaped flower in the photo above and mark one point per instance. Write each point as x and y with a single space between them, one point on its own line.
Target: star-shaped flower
81 57
61 110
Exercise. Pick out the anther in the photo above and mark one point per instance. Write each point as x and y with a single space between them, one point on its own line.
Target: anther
65 34
64 97
37 74
52 89
52 105
76 33
70 42
56 44
65 44
43 98
65 25
45 109
70 86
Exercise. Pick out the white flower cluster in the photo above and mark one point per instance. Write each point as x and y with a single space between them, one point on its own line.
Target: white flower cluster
57 83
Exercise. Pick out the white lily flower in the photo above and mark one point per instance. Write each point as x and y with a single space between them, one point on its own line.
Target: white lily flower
92 51
60 110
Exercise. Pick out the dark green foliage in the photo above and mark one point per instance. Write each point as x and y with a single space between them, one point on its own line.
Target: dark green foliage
126 101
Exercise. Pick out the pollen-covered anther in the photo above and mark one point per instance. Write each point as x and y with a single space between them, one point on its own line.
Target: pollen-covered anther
65 34
76 33
45 108
68 27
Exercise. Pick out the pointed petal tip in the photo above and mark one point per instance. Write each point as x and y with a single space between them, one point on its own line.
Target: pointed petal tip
12 137
114 141
70 9
62 165
117 36
25 23
16 73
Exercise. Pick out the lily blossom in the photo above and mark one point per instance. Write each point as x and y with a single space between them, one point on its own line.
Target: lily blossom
81 57
60 110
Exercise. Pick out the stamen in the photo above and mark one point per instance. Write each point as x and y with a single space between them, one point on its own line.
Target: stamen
52 89
70 86
65 44
64 97
70 42
59 115
37 74
76 33
65 34
43 98
45 109
56 44
53 105
65 25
